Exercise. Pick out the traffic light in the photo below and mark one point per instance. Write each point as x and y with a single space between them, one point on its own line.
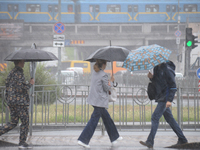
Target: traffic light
191 40
189 37
194 41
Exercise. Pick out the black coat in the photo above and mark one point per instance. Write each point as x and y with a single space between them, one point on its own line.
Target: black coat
164 81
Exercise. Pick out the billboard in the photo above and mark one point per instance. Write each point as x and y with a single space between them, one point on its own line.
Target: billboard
11 29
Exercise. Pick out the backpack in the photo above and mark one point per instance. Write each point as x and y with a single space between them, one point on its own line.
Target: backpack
151 90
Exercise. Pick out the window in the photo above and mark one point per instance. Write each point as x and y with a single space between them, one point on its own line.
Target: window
50 8
132 8
113 8
152 8
171 8
33 8
55 8
70 8
167 8
12 8
97 8
94 6
9 7
190 8
91 8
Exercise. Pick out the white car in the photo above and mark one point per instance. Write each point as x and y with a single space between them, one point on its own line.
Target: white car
79 70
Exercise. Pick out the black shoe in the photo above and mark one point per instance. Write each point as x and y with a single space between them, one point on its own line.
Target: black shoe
146 144
24 145
180 143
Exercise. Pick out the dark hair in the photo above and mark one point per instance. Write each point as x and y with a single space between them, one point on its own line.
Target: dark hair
16 62
100 62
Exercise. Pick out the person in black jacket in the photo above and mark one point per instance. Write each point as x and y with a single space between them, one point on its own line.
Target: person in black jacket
164 81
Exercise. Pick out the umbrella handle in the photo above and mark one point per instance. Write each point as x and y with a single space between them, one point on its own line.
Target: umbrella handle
115 85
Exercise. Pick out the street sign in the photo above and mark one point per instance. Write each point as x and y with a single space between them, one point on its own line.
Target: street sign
178 40
58 37
67 42
198 73
59 27
177 33
58 44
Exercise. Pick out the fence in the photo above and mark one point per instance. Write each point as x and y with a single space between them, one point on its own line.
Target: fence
62 106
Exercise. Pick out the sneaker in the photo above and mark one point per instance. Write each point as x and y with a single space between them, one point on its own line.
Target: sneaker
24 145
83 144
146 144
118 139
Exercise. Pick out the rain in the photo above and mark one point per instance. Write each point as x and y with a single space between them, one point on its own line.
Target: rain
73 30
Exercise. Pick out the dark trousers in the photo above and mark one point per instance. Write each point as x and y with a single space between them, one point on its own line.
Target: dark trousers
89 129
166 112
18 112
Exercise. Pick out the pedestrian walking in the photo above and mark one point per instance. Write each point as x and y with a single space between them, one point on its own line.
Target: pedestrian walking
98 98
17 99
163 78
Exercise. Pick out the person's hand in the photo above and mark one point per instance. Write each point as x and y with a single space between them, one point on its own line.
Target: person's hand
32 81
150 75
168 104
112 79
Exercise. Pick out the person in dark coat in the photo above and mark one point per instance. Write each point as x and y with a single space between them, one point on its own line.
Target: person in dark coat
98 98
17 99
164 81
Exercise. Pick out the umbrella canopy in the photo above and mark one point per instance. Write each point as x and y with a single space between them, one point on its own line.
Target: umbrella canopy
31 55
109 53
146 57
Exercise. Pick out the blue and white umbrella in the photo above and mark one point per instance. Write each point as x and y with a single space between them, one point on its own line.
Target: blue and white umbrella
146 57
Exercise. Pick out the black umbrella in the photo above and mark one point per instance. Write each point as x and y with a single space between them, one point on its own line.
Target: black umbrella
31 55
109 53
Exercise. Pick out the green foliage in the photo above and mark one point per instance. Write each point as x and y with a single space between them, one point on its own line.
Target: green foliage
69 52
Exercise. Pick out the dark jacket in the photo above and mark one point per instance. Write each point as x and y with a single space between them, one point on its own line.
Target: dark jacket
164 80
17 88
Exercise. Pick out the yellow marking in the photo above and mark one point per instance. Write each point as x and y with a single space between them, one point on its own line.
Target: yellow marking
34 13
92 18
66 13
119 13
150 13
4 12
184 13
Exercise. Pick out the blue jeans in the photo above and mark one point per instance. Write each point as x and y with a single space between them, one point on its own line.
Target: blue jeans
166 112
89 129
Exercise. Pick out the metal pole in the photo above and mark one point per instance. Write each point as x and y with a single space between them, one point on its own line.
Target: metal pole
59 48
179 106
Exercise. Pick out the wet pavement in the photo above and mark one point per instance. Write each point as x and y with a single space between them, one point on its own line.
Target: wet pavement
67 140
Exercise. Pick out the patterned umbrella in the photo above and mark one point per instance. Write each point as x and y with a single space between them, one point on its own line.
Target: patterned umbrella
146 57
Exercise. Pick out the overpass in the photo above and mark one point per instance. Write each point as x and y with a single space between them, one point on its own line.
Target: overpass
86 38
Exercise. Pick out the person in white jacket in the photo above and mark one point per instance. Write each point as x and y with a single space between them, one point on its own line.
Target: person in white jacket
98 98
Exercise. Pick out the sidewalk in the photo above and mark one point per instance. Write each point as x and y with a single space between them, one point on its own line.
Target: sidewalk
67 139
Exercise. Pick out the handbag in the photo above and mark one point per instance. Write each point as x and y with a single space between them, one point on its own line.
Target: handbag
151 91
112 94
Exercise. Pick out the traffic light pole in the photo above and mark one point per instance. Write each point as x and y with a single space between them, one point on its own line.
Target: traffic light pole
187 60
59 48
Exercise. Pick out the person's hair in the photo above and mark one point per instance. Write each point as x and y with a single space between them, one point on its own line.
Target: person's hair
16 62
99 63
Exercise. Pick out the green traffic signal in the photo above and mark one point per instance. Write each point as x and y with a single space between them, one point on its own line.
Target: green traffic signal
189 43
